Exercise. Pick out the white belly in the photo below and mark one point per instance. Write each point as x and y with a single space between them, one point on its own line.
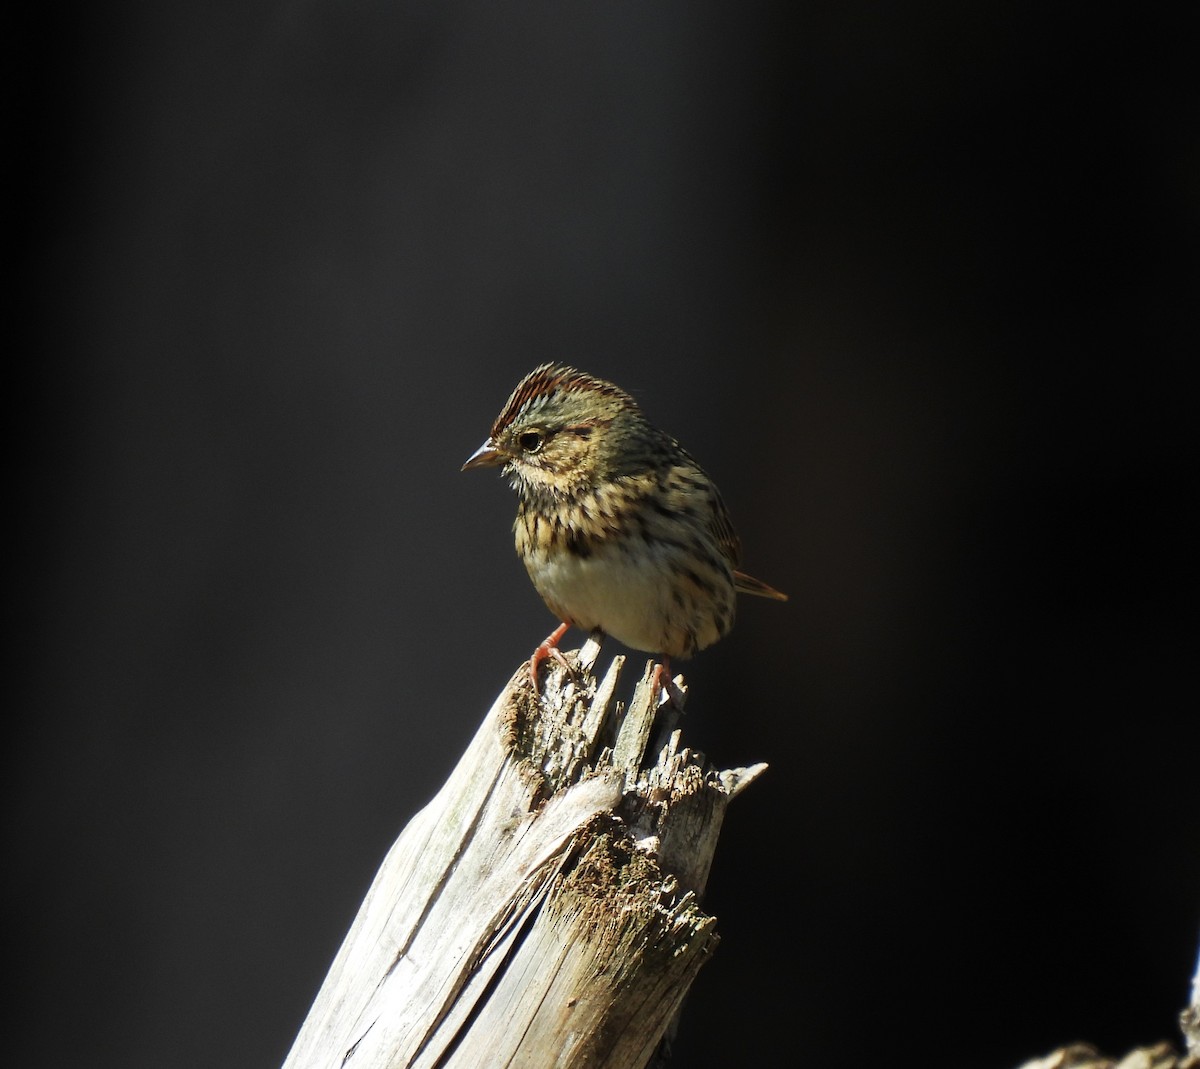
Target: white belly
629 596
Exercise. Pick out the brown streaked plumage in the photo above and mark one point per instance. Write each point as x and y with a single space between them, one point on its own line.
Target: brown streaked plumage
619 528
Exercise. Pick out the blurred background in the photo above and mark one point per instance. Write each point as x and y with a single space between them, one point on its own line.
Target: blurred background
914 281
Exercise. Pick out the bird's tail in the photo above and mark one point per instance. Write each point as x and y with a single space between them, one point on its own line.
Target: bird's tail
747 584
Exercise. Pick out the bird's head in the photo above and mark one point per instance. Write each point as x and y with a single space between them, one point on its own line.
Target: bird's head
563 431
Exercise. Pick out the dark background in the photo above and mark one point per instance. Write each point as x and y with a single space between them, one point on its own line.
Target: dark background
914 281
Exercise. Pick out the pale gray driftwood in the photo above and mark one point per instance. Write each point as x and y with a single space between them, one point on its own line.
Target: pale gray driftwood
543 909
1189 1020
1085 1056
1159 1056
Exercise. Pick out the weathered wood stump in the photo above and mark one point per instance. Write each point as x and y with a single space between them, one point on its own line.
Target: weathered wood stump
544 908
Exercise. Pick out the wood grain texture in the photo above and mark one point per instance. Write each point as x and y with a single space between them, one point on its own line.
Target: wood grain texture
544 908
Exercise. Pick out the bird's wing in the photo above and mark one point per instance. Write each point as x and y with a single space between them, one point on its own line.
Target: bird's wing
722 529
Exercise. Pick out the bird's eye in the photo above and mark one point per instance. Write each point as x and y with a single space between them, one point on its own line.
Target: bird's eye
530 441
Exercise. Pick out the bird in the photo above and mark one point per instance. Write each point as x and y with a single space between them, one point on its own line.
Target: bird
620 529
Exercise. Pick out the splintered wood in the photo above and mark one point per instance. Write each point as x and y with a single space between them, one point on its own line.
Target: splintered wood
543 909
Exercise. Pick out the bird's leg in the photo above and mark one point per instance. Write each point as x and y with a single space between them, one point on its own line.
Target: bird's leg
662 681
549 648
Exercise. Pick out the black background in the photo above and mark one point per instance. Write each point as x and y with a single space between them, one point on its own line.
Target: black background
914 281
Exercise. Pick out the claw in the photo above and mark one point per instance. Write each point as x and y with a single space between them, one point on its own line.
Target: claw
549 648
662 681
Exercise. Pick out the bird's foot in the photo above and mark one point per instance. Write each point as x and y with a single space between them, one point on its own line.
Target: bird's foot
549 649
663 683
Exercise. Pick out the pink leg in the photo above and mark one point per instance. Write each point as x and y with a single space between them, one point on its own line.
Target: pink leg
549 648
662 679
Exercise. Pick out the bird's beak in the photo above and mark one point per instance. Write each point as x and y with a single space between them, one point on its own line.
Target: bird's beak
487 455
